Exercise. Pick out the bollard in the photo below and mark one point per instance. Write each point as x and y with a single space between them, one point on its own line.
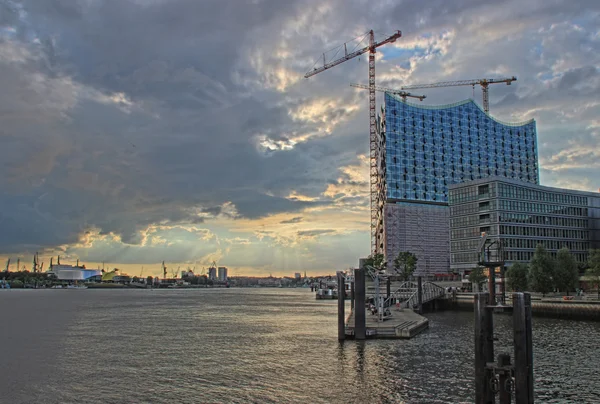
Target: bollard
420 294
359 304
523 348
492 285
484 349
388 288
341 305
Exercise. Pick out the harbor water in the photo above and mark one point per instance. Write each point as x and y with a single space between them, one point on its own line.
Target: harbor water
255 346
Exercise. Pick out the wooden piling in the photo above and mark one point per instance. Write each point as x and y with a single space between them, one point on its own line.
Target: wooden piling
388 288
504 364
492 285
359 304
484 349
341 305
352 295
420 294
523 348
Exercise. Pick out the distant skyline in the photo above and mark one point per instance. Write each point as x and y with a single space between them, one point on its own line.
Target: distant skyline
137 131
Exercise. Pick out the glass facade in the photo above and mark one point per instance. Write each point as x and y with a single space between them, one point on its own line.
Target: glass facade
429 148
521 216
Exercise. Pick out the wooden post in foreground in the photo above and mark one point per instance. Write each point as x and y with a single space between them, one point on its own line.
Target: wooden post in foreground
504 393
484 349
341 283
420 294
523 348
492 285
388 288
360 331
352 295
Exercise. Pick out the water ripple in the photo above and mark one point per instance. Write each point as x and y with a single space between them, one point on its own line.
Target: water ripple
255 346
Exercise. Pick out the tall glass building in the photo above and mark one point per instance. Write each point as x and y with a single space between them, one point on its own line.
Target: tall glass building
428 148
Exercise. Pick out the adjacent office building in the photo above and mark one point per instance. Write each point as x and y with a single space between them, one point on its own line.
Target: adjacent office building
426 149
521 216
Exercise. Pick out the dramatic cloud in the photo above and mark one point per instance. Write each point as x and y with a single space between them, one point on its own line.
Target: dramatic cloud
140 131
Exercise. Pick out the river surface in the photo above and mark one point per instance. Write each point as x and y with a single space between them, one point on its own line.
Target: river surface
254 346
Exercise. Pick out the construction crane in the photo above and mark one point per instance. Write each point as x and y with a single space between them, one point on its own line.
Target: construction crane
373 135
402 94
484 83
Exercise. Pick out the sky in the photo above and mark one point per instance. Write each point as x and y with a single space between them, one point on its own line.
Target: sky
139 131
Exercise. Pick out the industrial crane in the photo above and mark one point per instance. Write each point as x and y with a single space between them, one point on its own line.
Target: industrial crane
401 93
373 136
484 83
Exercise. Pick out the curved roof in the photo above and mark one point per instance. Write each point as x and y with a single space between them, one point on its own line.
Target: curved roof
456 104
108 276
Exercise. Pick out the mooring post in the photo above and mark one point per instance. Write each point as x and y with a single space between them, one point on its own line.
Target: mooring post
503 286
523 348
360 332
484 349
388 288
504 366
420 294
352 295
492 285
341 282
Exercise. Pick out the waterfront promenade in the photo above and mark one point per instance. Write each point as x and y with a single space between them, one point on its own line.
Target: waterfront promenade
553 307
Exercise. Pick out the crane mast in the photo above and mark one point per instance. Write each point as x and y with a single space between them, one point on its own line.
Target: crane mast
374 146
484 83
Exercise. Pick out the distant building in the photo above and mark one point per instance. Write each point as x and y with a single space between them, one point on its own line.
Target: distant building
115 276
222 274
73 272
298 275
521 216
269 282
425 150
187 274
212 273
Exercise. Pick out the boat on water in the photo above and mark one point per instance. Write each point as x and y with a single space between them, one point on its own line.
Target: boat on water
327 294
76 287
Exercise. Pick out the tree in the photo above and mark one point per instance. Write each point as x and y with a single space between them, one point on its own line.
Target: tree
541 271
149 280
376 261
566 274
405 264
517 277
593 272
477 276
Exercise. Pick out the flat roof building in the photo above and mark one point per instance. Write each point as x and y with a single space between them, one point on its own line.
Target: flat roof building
521 216
429 148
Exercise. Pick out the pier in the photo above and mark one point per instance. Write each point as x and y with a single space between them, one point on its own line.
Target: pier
393 312
402 323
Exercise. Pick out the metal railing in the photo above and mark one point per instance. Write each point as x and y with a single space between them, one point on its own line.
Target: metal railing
408 294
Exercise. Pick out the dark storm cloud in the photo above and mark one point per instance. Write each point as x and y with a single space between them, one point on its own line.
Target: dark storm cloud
188 141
